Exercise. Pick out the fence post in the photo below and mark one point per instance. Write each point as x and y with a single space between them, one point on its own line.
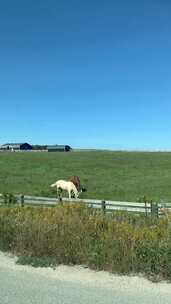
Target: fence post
145 202
59 196
103 206
154 210
22 200
60 199
5 196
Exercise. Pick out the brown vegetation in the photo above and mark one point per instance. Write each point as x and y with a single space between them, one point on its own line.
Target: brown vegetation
75 234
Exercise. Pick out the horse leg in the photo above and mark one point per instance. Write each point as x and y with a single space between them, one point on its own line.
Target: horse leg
69 192
59 194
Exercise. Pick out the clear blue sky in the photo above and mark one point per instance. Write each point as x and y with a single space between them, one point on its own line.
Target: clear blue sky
91 74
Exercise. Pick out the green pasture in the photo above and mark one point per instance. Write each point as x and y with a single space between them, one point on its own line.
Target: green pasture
124 176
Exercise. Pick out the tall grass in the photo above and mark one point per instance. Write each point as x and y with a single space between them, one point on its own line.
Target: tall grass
75 234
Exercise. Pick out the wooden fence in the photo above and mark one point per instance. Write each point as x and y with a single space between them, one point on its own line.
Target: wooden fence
146 207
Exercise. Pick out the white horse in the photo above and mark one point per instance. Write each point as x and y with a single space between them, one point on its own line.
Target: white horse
67 186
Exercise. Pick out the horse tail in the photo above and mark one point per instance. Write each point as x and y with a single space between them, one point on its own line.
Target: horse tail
53 185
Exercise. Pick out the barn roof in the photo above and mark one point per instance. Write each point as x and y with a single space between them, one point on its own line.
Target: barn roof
13 144
58 147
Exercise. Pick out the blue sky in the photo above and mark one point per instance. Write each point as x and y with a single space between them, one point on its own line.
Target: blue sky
91 74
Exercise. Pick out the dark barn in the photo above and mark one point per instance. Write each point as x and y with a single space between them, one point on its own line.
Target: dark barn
16 146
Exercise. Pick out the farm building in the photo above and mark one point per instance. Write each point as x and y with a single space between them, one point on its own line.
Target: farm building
59 148
16 146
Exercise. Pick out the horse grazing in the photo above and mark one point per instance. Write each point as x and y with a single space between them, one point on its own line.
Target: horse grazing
76 181
67 186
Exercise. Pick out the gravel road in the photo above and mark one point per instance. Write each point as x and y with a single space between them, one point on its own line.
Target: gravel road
66 285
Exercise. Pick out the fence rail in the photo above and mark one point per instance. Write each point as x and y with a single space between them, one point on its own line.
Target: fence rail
149 208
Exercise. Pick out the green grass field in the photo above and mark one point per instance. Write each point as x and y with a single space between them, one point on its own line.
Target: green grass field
106 175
